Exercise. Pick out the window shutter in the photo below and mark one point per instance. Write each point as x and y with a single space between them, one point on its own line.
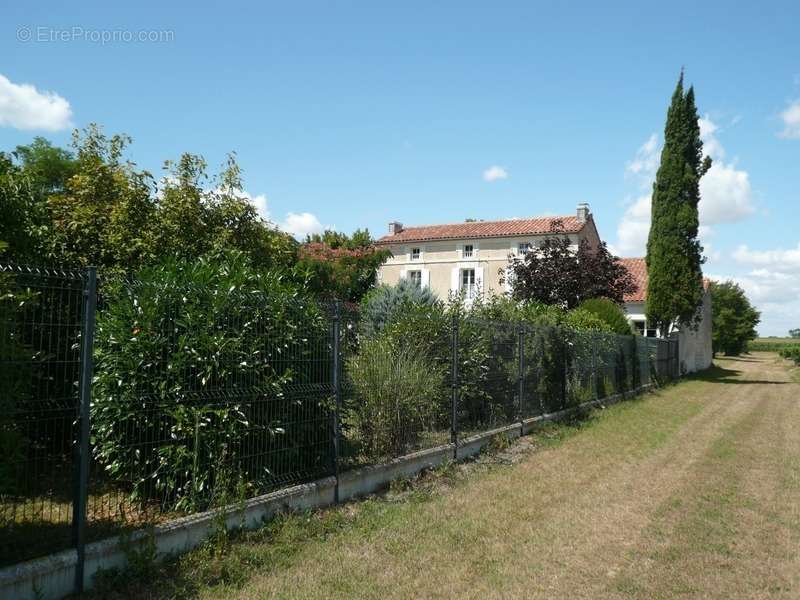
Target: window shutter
454 273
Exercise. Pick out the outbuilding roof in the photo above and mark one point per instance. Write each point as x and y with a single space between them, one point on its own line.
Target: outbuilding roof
637 267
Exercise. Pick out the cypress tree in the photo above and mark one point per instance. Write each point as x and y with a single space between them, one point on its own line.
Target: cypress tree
674 254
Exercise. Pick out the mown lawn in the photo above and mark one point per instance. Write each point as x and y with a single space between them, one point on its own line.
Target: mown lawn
693 491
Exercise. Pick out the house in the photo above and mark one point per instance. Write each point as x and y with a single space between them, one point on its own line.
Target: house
694 344
469 257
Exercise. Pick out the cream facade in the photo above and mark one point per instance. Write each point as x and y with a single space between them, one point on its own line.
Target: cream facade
473 266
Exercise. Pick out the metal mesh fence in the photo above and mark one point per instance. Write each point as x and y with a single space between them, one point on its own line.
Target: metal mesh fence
40 319
488 374
396 387
203 397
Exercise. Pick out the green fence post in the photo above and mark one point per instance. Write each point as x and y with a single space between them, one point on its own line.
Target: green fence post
82 445
454 384
337 394
521 373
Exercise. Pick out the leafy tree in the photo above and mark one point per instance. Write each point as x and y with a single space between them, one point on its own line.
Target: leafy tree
610 313
734 318
335 265
198 213
674 253
28 175
48 167
795 333
105 213
92 206
556 274
21 214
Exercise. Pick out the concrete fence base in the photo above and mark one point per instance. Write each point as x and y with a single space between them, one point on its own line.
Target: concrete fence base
54 576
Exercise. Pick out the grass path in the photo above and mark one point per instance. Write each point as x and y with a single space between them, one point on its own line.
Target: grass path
693 491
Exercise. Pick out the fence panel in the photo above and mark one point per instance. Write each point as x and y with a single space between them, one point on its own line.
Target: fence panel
396 386
488 366
202 399
40 323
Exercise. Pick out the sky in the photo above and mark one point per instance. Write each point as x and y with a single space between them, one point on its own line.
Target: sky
352 114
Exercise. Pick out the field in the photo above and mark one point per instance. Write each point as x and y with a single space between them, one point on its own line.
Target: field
693 491
772 344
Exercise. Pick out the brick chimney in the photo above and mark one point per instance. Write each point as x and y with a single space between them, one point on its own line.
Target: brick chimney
583 212
395 227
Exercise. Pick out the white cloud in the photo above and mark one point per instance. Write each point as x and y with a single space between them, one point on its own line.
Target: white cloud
773 285
791 121
22 106
780 260
633 229
725 192
298 224
645 163
726 195
494 173
767 287
301 224
711 144
259 201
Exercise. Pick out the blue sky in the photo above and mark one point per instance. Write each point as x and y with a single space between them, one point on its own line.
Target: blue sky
352 114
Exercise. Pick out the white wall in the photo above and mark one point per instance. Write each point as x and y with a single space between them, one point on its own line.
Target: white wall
694 345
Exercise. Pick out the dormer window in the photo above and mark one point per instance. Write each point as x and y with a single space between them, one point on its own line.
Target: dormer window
468 250
415 253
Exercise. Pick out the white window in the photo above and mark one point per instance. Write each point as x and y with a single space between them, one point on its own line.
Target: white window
524 248
468 250
468 282
415 277
415 254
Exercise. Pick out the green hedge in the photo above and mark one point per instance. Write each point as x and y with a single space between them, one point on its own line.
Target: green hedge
208 373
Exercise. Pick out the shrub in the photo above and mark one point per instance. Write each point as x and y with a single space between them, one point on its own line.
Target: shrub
610 313
397 388
198 365
792 353
503 308
383 303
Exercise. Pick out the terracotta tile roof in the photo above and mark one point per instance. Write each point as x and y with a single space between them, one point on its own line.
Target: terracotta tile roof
637 267
638 270
483 229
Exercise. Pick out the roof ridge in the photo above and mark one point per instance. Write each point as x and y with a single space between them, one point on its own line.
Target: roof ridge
407 227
